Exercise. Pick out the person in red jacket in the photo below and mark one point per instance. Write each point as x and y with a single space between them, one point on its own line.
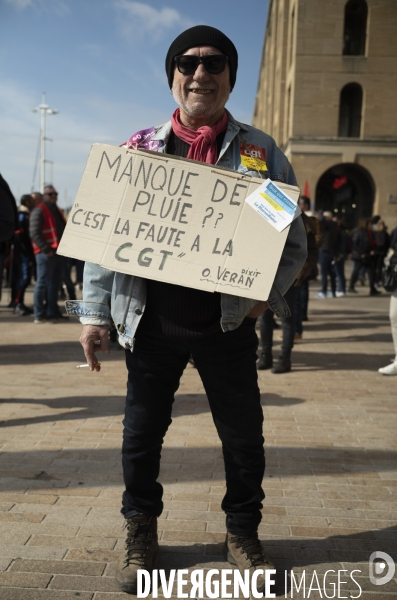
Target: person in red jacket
47 224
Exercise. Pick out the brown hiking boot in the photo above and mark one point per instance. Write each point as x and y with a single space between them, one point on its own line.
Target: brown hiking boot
141 551
247 553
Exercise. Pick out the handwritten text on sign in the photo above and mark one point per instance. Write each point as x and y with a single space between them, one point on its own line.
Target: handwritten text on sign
174 220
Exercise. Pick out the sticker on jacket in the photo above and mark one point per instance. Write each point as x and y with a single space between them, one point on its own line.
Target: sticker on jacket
143 140
274 205
253 157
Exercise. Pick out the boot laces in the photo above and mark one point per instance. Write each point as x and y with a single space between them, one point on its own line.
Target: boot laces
252 548
137 542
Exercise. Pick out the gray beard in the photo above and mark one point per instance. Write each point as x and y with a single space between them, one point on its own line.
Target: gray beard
193 112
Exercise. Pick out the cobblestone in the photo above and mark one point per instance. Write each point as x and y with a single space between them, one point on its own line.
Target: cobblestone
331 446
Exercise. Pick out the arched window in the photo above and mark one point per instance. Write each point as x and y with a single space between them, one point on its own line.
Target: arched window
355 29
351 101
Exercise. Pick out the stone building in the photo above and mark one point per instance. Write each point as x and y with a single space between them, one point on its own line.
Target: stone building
327 93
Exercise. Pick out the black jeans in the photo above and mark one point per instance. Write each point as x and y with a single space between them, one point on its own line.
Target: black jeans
226 363
340 274
304 298
327 268
287 323
298 326
368 264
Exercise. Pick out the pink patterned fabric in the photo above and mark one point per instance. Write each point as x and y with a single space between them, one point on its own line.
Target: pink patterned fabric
143 140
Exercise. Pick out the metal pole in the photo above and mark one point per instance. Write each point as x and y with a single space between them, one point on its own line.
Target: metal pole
36 162
43 111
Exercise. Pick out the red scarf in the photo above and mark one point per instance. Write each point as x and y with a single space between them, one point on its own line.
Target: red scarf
203 146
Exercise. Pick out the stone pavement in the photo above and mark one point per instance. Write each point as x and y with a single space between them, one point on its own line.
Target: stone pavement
331 448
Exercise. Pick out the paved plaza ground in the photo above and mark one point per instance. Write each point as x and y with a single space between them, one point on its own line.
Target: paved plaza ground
331 448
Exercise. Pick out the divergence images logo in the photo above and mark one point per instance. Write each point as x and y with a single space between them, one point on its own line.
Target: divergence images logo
380 568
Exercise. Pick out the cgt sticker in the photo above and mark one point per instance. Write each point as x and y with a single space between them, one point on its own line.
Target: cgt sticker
253 157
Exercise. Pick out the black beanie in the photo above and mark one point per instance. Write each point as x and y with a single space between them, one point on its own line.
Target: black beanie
202 35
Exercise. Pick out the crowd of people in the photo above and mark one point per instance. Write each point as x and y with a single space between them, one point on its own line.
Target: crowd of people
330 244
367 245
29 252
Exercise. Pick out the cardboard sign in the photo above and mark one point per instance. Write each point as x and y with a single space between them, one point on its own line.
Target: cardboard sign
175 220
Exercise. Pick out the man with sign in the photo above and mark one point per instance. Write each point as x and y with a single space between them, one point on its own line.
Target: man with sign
217 329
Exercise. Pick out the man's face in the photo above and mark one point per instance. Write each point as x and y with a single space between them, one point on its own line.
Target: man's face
302 205
50 195
37 198
201 94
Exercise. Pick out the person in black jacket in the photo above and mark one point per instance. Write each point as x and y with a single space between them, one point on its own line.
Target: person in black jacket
8 211
327 254
8 220
23 259
343 249
363 252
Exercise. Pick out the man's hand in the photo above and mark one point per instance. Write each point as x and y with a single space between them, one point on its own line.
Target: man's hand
94 338
258 309
300 275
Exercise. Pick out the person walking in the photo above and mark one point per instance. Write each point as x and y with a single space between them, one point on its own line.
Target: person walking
343 249
47 224
329 234
161 325
363 252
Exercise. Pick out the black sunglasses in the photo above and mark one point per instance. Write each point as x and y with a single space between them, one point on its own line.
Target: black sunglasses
52 193
213 63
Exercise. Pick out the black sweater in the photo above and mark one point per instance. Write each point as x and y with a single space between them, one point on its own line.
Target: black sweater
174 311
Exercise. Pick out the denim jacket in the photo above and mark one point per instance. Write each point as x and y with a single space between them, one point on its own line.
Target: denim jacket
110 297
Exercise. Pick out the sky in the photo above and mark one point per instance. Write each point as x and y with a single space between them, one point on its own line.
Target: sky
101 65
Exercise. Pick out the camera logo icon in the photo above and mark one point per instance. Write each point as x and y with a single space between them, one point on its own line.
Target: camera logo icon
384 566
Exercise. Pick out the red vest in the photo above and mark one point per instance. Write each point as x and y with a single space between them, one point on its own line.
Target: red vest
49 228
